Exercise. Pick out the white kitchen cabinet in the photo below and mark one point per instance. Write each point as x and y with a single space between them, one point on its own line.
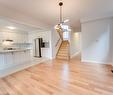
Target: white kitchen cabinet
22 57
1 37
2 61
15 36
16 58
10 59
25 38
6 60
28 56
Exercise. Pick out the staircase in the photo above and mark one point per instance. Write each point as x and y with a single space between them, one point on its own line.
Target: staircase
62 46
63 52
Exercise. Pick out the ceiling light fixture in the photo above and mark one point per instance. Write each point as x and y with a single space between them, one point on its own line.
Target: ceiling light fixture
11 27
61 24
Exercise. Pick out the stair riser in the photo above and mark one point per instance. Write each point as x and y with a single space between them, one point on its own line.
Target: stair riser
63 51
66 53
62 58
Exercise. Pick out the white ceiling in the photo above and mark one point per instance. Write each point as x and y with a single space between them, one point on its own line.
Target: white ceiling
47 11
5 23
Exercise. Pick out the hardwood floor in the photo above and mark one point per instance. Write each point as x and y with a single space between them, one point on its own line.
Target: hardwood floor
58 77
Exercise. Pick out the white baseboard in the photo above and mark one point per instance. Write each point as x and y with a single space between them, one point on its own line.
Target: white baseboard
19 67
97 62
75 54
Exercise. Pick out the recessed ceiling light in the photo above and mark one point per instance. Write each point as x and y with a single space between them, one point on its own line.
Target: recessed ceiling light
11 27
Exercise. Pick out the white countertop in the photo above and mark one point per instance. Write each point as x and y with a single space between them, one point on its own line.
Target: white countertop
11 51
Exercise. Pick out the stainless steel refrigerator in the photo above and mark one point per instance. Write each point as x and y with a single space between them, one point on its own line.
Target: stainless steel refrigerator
37 47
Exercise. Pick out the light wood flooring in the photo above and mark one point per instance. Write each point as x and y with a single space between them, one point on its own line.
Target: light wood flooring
59 77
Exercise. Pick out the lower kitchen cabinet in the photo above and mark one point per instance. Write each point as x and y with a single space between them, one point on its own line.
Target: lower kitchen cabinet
10 59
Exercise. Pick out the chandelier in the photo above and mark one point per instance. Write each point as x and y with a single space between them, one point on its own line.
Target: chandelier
62 26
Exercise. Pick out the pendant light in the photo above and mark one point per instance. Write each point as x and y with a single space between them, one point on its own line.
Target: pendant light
62 25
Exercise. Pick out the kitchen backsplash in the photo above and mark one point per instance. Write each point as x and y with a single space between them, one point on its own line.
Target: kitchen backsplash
22 45
17 45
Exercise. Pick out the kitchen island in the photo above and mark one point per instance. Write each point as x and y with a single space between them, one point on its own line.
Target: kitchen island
12 59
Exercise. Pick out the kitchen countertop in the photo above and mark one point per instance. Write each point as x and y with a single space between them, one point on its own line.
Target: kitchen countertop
15 50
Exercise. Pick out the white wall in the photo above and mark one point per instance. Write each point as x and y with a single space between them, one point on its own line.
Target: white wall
75 43
111 40
46 35
96 41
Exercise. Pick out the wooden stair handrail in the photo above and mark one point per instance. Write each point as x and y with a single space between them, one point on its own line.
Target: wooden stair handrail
61 34
61 37
57 42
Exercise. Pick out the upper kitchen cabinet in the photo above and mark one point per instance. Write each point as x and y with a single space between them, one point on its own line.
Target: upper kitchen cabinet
20 38
10 30
15 36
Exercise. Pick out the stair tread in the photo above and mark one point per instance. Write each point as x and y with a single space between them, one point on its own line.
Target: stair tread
63 51
61 56
66 58
64 47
